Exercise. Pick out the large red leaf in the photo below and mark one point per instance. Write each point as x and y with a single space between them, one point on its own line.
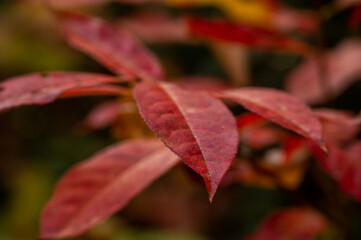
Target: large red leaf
317 79
244 34
44 88
197 127
292 223
102 185
116 48
280 108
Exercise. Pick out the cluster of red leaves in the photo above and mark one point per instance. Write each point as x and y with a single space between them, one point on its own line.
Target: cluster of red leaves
191 121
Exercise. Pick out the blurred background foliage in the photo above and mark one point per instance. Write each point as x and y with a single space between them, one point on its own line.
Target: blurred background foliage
39 143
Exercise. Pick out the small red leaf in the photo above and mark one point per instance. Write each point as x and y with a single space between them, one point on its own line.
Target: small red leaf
351 180
285 19
291 223
103 115
248 35
340 69
338 126
44 88
116 48
280 108
197 127
102 185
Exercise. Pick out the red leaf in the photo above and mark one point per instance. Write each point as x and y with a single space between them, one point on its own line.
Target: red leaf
351 180
250 120
45 88
280 108
196 126
250 36
102 185
338 126
285 19
103 115
116 48
341 69
291 223
344 166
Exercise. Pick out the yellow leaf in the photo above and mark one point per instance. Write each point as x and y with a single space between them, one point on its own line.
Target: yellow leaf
249 11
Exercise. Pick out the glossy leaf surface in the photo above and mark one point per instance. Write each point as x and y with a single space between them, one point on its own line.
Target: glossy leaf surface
96 188
197 127
44 88
280 108
113 47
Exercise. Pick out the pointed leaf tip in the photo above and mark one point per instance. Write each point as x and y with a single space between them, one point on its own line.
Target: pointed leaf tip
196 126
281 108
112 46
43 88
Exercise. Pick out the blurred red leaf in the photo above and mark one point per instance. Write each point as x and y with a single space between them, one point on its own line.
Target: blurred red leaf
250 120
103 115
115 48
44 88
247 35
93 190
296 223
280 108
285 19
341 67
344 166
197 127
351 180
338 126
255 132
